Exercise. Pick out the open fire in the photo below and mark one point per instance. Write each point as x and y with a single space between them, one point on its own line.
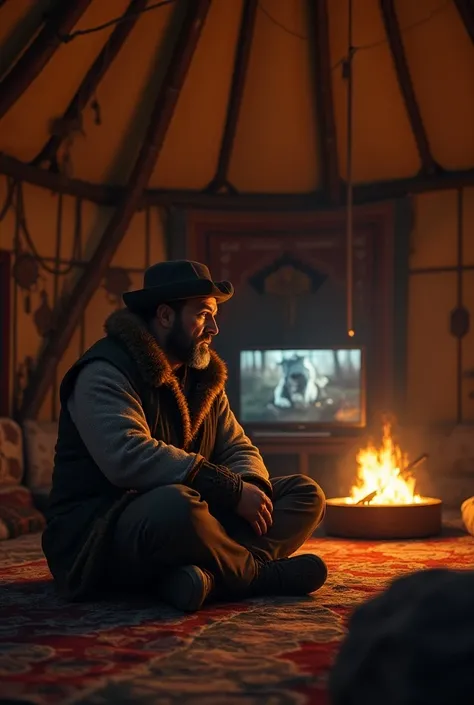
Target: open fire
384 475
384 503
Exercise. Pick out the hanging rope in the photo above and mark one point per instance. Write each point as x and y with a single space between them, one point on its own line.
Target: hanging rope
19 205
361 47
116 20
348 74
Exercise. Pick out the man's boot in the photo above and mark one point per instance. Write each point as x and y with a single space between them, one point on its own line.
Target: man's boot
298 575
186 588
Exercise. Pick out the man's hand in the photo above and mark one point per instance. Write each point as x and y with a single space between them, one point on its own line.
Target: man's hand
256 508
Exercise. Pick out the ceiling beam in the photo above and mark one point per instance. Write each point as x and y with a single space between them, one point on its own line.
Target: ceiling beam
59 183
161 115
113 195
362 193
58 24
242 56
465 9
398 188
91 81
394 36
319 29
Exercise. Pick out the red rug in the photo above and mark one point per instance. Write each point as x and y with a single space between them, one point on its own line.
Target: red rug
274 652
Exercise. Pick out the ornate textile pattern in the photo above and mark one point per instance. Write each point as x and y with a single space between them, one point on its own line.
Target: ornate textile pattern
18 516
136 651
11 453
40 443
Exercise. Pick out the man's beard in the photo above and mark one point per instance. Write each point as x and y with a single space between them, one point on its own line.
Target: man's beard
180 346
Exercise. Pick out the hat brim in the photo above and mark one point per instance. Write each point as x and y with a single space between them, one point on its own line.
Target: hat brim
147 299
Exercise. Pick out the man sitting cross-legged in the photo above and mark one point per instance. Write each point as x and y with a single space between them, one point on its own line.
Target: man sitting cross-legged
155 484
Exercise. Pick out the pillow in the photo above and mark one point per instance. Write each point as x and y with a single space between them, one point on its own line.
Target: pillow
11 453
467 513
18 516
40 444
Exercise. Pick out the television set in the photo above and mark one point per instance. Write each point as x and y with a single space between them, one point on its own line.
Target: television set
302 390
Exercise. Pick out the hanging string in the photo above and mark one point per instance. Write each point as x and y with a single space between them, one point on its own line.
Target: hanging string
60 271
116 20
348 74
460 307
147 237
124 18
361 47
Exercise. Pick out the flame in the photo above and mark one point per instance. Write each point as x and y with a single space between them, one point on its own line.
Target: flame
380 470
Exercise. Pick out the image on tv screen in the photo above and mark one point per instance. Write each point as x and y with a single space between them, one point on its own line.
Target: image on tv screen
301 386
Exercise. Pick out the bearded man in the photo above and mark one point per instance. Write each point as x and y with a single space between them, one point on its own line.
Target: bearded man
156 487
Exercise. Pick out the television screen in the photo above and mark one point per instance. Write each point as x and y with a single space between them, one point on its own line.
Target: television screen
302 386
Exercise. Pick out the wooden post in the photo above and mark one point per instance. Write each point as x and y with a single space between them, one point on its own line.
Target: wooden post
319 31
242 56
87 284
36 56
466 12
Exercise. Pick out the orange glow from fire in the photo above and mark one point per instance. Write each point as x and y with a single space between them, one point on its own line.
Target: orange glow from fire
380 470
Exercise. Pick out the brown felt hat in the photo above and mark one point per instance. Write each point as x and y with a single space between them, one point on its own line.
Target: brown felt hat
176 280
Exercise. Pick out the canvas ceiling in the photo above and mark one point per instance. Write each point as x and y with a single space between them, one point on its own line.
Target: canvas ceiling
276 147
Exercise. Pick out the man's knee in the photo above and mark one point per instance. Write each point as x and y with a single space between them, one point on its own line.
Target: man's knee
168 511
308 489
177 502
156 528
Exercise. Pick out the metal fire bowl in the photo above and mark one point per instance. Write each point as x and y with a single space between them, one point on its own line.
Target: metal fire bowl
383 521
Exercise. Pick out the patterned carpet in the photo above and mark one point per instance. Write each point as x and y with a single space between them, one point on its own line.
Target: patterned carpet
274 652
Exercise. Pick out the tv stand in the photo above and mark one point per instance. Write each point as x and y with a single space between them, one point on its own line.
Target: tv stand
291 434
303 446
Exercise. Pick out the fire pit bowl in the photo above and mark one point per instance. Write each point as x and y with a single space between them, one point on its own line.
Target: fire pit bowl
383 521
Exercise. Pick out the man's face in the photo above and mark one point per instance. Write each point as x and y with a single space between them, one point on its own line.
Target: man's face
192 332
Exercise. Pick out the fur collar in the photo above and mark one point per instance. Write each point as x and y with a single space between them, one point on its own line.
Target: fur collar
204 385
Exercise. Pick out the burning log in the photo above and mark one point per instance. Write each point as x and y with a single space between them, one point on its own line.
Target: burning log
368 498
406 472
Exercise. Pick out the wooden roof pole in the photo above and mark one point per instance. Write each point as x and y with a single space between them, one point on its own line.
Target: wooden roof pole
465 9
242 56
59 23
93 77
162 112
319 30
394 36
60 183
112 195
